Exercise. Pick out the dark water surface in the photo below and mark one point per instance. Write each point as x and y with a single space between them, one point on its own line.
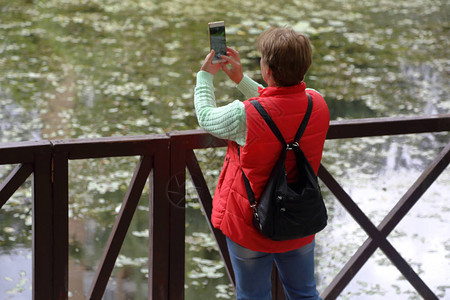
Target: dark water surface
95 68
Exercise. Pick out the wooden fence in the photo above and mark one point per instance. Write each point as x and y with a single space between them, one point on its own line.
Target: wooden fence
165 159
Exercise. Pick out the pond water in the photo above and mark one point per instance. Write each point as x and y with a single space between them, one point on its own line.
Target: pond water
94 68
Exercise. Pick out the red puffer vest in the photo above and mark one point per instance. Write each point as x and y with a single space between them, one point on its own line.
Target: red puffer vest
286 106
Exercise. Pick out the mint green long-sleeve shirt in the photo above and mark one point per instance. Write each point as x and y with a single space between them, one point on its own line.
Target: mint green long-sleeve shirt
226 122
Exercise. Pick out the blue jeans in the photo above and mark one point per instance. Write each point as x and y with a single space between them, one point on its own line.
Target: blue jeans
253 271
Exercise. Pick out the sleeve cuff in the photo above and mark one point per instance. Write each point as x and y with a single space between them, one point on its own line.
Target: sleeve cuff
245 83
248 87
204 77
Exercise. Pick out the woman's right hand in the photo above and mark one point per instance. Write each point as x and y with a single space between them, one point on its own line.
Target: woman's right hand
208 66
235 71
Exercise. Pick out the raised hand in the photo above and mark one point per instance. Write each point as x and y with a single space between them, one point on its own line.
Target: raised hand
208 66
233 60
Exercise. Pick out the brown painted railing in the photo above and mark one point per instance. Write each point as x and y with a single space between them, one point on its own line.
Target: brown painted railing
164 158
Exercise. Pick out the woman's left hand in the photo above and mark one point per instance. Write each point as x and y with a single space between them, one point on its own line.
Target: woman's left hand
208 66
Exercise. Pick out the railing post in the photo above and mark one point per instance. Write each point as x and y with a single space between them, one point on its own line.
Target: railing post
43 256
176 192
60 192
159 224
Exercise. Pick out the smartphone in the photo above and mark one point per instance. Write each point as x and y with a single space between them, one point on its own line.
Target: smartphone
217 40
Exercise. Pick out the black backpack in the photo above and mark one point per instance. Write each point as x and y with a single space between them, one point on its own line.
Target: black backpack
288 211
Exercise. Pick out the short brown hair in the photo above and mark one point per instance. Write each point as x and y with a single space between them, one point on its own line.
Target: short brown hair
287 53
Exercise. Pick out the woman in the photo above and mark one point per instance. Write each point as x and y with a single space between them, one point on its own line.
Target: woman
285 58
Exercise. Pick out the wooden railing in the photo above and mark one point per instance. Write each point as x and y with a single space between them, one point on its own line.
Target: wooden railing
165 158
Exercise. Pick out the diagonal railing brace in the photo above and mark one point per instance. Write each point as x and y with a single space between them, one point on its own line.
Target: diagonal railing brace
14 181
377 237
205 198
120 228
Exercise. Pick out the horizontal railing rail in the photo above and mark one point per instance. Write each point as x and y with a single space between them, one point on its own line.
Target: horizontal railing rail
165 158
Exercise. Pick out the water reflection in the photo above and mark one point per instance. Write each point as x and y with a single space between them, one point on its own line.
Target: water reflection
78 69
16 284
16 121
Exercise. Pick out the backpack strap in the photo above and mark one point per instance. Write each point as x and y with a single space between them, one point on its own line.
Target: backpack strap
305 120
275 129
268 120
277 133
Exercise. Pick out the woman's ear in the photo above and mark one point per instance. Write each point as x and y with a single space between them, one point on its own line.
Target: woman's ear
267 75
269 72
